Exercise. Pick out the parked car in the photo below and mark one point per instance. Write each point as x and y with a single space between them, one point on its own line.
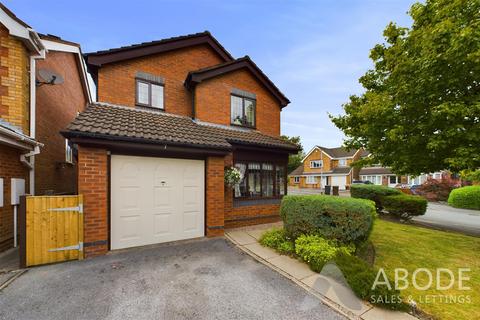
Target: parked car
361 182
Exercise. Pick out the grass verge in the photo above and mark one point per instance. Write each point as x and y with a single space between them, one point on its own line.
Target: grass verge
410 247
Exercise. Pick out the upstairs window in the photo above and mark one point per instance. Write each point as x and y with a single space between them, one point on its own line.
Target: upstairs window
242 111
68 152
316 164
342 162
149 91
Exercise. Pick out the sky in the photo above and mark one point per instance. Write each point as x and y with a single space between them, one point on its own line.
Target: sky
314 51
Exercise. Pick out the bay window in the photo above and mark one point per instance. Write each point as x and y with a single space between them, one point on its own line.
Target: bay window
260 180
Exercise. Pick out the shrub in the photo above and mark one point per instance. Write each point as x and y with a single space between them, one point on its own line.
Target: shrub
437 190
316 251
360 277
344 219
372 192
278 240
465 197
404 206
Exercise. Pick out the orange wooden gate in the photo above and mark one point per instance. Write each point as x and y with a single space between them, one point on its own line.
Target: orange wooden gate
52 229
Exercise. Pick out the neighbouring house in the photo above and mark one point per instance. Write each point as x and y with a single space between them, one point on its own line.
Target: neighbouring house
174 114
326 167
32 113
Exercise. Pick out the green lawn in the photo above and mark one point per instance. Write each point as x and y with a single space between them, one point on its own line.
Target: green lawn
410 247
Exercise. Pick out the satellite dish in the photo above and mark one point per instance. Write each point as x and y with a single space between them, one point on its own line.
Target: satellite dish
49 77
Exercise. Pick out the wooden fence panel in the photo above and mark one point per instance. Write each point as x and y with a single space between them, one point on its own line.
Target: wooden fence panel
54 229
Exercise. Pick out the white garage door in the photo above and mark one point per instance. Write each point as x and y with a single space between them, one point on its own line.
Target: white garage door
155 200
339 181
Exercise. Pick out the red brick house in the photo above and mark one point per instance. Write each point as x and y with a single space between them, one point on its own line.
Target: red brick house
174 114
32 114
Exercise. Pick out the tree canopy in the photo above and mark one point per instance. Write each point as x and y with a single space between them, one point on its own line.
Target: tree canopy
420 111
294 160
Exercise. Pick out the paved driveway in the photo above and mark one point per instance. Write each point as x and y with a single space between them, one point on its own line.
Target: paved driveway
445 217
200 279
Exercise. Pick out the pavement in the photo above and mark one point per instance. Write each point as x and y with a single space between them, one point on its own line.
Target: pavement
196 279
444 217
328 289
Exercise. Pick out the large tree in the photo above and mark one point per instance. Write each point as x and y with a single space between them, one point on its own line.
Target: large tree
421 108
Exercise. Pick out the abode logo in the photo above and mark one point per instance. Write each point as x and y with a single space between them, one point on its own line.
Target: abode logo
423 279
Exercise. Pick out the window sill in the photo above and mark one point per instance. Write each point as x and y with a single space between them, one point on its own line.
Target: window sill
243 126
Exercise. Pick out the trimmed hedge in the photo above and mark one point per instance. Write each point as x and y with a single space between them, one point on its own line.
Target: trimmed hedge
404 206
372 192
343 219
465 197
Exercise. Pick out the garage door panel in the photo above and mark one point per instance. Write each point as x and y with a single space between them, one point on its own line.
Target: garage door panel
166 194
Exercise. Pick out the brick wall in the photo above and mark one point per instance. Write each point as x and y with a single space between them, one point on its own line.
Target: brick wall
215 196
93 184
116 81
57 106
10 167
14 81
212 101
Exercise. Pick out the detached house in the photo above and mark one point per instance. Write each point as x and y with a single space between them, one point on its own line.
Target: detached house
34 157
326 166
173 115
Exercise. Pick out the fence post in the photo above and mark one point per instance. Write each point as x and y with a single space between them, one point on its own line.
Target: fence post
22 230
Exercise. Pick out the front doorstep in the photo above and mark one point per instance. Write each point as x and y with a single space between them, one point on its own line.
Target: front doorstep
327 290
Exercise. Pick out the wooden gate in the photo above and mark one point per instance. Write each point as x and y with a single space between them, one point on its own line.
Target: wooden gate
52 229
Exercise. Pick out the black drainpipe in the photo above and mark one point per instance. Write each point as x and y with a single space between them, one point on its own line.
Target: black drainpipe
193 103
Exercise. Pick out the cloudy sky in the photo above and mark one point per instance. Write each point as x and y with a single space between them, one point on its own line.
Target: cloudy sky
314 51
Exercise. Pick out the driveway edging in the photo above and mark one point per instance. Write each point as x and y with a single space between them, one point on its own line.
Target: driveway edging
322 298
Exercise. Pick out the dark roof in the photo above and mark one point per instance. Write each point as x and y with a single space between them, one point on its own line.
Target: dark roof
13 16
297 172
339 152
121 123
375 170
55 38
198 76
147 48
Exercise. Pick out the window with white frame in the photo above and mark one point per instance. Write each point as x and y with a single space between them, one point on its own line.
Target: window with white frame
311 180
68 152
342 162
372 178
149 94
316 164
296 179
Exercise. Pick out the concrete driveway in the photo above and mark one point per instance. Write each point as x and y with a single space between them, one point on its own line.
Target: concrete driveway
200 279
445 217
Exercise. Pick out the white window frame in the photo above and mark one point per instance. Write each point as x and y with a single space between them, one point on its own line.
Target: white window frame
377 179
311 180
340 162
296 179
316 164
68 152
150 84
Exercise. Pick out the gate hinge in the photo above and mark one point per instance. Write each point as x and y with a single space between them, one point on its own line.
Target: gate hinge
79 209
78 247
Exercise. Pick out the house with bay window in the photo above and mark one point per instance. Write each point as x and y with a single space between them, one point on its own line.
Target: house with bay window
172 115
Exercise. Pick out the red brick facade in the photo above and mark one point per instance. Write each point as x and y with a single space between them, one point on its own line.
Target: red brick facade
56 107
116 81
10 167
93 184
212 101
215 196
